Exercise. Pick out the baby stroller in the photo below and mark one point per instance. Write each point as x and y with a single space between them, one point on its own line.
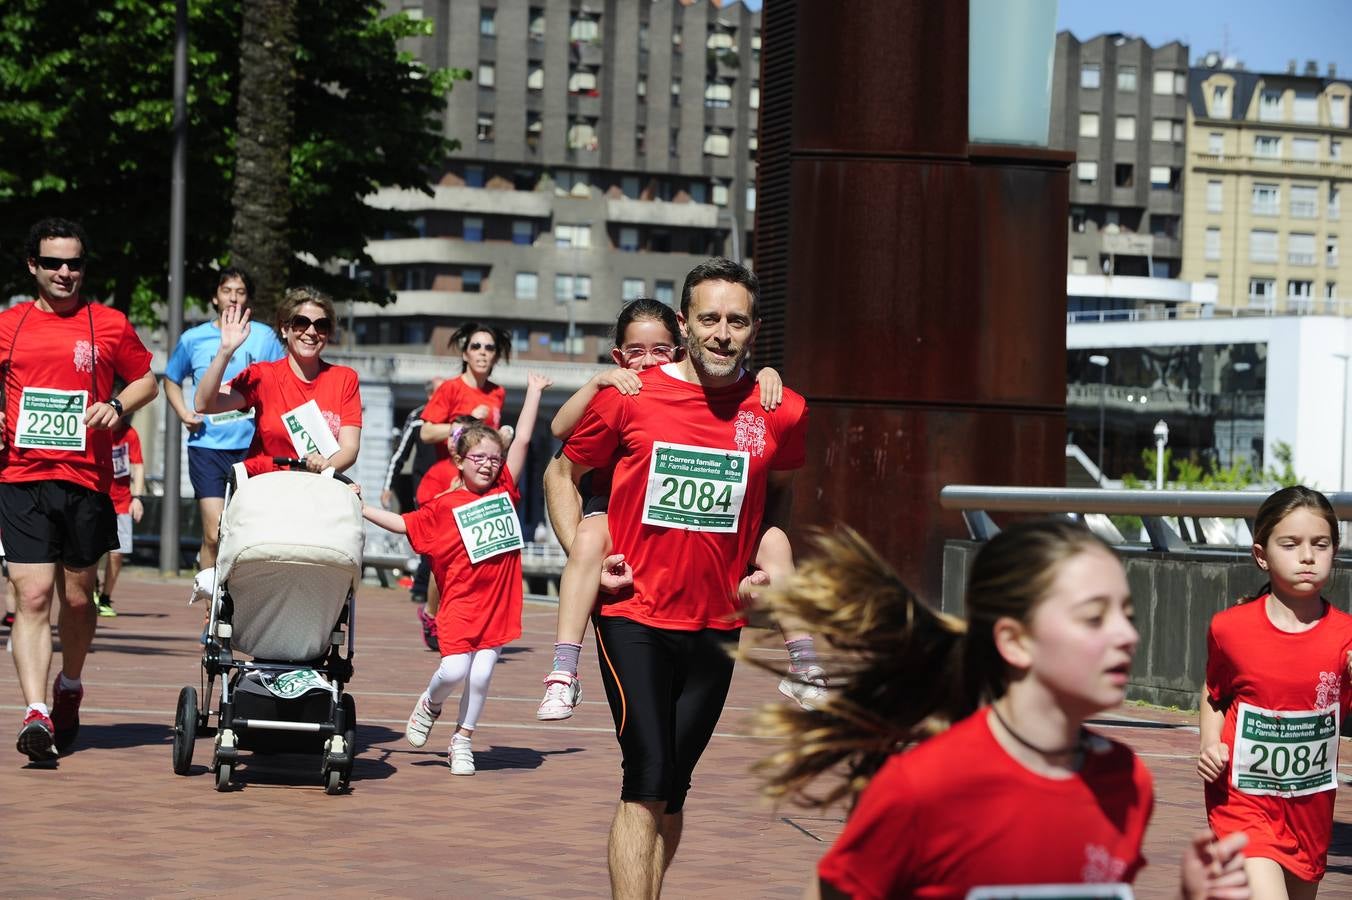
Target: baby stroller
289 561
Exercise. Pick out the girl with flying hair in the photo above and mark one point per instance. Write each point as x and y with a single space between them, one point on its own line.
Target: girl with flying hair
963 745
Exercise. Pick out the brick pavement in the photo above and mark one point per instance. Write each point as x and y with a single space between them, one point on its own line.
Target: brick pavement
113 820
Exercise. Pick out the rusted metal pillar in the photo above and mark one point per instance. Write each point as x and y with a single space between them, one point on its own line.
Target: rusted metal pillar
914 282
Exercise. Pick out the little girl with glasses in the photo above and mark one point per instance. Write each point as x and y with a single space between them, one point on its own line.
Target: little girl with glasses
473 535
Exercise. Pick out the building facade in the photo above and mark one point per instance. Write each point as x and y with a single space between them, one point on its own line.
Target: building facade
1120 105
605 148
1264 189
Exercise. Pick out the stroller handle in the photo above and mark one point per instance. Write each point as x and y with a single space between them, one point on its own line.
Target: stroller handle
290 462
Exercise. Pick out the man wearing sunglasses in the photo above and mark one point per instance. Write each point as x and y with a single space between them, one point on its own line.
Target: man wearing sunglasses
699 465
59 356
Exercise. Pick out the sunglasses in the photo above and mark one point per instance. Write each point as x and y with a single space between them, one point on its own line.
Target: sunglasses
323 325
54 263
475 345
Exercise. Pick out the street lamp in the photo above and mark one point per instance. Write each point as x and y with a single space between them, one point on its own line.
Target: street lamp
1161 438
1102 362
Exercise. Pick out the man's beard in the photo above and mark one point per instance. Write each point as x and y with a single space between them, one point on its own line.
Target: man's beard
715 366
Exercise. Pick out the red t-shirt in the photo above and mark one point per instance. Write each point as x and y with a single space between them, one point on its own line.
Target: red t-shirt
438 477
455 398
959 812
686 580
480 602
272 389
126 453
1250 660
52 351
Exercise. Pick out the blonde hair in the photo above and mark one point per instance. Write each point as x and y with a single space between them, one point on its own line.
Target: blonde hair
297 297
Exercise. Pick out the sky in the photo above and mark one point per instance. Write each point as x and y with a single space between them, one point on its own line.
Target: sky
1262 34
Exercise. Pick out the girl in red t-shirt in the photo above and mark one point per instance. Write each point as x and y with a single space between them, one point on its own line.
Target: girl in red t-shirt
1017 791
647 334
1276 690
304 407
470 393
473 536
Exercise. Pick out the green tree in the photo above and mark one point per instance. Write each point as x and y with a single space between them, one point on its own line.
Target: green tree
86 107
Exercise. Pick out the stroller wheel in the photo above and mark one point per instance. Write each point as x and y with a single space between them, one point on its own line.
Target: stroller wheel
223 773
333 782
185 730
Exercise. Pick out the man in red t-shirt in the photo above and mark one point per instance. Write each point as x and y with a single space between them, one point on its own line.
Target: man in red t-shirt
60 355
699 468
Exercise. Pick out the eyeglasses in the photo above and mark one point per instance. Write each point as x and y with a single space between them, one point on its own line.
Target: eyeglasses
475 345
323 325
661 351
54 263
480 459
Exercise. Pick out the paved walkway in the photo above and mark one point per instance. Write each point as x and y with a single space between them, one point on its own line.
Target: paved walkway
113 820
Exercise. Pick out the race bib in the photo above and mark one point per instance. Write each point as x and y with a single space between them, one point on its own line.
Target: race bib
234 415
489 527
51 420
1050 891
308 431
1285 753
122 461
695 488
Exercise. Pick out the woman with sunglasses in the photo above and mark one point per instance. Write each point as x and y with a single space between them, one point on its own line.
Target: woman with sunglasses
304 407
471 394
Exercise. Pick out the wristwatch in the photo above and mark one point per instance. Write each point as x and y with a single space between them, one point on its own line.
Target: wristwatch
117 405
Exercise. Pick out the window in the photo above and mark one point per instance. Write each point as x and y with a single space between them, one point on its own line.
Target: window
717 95
643 36
720 40
474 176
720 193
1214 195
751 197
1220 101
523 232
1338 110
1263 246
1305 108
753 142
1335 149
674 142
485 128
1213 243
584 27
572 287
487 75
536 29
1086 172
1270 106
632 288
1077 219
1267 199
1267 145
642 89
1079 265
675 89
1124 175
1163 226
471 280
717 142
572 235
1166 130
1089 76
1215 143
487 28
1298 294
699 192
753 98
665 292
1300 249
1164 81
1126 78
1262 291
1304 201
582 135
1331 296
1305 149
629 239
1335 206
641 139
629 186
1126 128
1331 251
535 127
527 285
1089 125
582 81
535 78
474 229
520 340
1159 178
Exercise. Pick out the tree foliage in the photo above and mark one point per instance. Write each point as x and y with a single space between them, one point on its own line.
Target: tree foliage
86 110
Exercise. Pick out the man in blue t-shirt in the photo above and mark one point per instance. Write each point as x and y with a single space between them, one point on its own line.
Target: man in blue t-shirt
216 442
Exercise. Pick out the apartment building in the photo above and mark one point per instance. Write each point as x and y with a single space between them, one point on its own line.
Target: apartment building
1264 189
606 147
1119 105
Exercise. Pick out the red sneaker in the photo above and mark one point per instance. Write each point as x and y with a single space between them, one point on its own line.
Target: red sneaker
37 737
429 630
65 714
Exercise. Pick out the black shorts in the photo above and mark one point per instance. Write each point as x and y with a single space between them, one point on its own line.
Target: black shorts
56 521
593 504
209 469
666 690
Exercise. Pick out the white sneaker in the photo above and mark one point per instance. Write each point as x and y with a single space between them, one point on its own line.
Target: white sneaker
420 722
806 688
563 691
461 756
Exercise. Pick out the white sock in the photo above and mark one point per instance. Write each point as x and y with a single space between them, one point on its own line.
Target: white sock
70 684
39 707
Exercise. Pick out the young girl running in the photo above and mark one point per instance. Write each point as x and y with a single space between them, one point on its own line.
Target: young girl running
646 335
473 536
1276 690
1017 791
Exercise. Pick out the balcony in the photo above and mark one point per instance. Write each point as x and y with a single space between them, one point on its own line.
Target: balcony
658 212
1300 259
1266 208
1304 209
465 199
1287 165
